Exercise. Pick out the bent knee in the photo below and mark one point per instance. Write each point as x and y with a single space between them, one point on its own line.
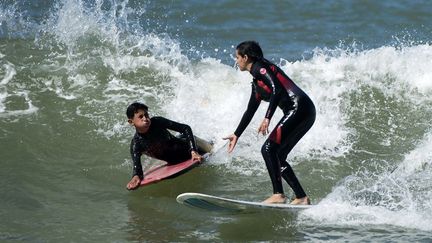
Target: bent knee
268 148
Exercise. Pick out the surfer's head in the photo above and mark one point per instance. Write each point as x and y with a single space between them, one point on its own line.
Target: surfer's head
138 116
133 108
247 53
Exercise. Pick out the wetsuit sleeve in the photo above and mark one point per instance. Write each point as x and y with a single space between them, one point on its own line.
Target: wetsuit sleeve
136 159
183 129
252 107
276 89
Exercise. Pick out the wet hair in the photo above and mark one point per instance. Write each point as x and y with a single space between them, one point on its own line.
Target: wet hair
134 108
250 48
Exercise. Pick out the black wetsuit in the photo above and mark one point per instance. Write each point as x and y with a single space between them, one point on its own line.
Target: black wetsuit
160 144
271 84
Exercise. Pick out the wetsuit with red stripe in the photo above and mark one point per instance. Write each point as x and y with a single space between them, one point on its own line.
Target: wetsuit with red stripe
271 84
160 144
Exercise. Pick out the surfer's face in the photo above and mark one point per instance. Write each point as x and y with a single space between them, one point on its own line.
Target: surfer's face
242 61
141 121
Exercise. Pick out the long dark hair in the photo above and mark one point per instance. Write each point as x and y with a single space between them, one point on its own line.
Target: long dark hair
250 48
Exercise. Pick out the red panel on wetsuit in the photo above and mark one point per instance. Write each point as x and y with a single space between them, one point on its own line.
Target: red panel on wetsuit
263 86
276 135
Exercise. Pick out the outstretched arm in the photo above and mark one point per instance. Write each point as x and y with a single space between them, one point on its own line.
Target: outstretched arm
254 102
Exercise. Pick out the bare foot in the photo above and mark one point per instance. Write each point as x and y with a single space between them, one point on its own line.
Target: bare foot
301 201
276 198
133 183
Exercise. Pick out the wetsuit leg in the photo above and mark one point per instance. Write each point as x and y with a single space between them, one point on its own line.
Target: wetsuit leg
202 145
290 129
176 150
270 155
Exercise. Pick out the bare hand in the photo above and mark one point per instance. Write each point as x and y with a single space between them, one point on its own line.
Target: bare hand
233 141
264 126
133 183
196 156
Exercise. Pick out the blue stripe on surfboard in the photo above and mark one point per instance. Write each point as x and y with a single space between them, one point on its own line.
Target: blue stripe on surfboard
199 203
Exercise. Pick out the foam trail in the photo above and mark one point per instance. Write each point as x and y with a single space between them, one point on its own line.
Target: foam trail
9 73
419 160
391 200
382 197
8 91
375 194
12 113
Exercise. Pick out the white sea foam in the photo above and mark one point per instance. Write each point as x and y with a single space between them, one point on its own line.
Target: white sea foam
10 90
399 200
7 113
10 72
380 196
418 160
401 197
331 213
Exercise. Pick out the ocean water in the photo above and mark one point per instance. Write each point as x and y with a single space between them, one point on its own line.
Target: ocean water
69 68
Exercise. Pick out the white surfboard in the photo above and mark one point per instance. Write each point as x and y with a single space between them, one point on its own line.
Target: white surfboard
213 203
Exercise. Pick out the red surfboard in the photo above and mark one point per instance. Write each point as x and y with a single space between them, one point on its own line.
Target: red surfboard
166 171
